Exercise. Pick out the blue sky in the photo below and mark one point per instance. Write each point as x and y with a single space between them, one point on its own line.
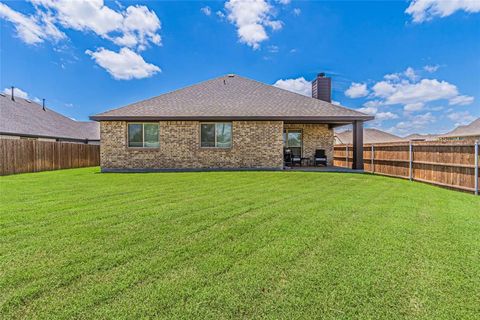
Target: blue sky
414 64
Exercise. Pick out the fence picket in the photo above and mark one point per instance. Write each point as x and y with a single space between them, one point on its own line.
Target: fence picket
446 164
19 155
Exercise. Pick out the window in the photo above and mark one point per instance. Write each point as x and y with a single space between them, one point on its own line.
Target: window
292 140
216 135
143 135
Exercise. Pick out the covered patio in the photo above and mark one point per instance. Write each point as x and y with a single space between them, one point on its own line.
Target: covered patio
309 144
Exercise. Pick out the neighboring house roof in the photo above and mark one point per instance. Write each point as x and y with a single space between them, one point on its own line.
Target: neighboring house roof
472 129
369 136
425 137
232 97
27 118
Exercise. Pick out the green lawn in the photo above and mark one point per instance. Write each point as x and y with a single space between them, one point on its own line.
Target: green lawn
80 244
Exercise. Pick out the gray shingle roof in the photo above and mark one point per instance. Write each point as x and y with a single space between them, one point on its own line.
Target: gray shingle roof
424 137
24 117
232 97
472 129
370 135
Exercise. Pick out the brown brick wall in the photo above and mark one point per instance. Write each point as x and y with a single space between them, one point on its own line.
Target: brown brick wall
255 144
315 136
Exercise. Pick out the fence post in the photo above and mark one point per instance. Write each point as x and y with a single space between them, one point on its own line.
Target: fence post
346 155
476 167
372 156
410 167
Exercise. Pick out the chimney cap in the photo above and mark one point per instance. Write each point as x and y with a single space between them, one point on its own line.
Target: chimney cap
231 75
321 75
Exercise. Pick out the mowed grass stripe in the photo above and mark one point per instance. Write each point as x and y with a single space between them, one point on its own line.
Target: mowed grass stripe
178 257
75 278
235 244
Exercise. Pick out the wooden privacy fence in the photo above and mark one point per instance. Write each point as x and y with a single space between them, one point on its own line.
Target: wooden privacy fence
453 165
19 155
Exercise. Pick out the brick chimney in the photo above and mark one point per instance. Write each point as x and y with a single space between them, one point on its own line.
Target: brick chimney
322 88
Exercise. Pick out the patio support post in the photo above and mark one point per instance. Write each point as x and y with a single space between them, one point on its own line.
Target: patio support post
357 145
476 167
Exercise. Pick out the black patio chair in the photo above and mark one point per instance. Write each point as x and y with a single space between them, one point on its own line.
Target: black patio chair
287 157
296 157
320 157
296 160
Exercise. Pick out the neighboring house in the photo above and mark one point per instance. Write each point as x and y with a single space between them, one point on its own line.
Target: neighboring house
226 122
421 137
469 132
370 135
24 119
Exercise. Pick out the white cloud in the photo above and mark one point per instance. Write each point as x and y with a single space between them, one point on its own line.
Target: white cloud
284 1
32 29
404 88
273 49
84 15
461 118
381 116
373 103
392 76
17 92
220 14
461 100
206 10
368 110
297 11
413 107
414 94
124 65
251 17
372 109
408 92
299 85
410 74
431 69
136 26
383 89
424 10
414 124
357 90
143 24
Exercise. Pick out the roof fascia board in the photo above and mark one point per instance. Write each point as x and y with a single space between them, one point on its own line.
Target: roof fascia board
325 119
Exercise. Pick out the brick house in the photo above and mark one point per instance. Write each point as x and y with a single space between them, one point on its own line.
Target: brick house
228 122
